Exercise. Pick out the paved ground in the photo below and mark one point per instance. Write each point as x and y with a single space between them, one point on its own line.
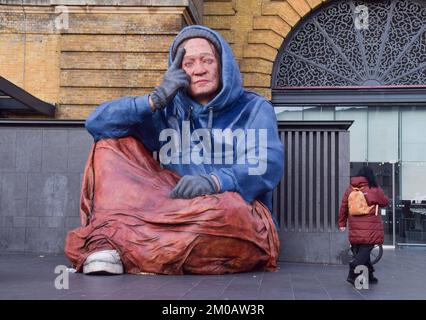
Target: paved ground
401 273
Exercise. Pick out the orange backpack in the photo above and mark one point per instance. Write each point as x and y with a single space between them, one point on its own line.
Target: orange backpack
358 204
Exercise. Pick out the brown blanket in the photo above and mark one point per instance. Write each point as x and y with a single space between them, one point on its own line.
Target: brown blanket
125 205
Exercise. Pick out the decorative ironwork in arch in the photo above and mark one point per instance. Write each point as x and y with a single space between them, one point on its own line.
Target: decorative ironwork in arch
329 49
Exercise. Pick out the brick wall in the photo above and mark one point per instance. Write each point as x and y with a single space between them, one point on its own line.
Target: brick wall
113 51
257 29
105 53
122 53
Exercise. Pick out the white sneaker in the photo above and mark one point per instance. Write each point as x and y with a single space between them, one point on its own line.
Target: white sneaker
103 262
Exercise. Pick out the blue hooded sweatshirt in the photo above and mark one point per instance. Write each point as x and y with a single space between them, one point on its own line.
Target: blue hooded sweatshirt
232 108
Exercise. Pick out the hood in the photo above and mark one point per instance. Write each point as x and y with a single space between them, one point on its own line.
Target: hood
359 181
230 79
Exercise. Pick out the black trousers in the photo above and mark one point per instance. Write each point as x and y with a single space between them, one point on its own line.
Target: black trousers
361 254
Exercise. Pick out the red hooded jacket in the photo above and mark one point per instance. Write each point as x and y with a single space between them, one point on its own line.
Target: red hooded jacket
365 229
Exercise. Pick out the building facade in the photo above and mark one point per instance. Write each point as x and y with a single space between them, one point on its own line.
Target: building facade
336 60
368 67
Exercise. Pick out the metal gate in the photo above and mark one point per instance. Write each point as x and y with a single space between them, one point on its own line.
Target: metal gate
307 200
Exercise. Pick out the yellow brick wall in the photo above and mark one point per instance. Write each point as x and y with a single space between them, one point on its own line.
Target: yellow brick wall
109 52
105 53
23 56
258 28
115 54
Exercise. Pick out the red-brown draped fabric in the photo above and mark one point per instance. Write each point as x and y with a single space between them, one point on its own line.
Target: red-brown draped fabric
125 205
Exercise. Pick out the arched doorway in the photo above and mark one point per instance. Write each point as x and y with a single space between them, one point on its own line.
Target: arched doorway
366 61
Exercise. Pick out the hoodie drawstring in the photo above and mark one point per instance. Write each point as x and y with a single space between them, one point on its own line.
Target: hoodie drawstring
210 122
189 114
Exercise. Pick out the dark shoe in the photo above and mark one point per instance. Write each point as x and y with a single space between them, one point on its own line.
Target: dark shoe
351 278
372 279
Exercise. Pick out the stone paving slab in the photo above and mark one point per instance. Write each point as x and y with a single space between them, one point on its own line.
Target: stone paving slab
401 275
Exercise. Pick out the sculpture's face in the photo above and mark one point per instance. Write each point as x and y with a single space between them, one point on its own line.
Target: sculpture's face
201 63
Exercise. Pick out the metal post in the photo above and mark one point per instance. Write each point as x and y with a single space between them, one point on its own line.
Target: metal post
393 204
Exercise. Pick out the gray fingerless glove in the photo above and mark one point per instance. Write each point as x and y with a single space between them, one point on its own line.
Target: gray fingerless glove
174 79
190 187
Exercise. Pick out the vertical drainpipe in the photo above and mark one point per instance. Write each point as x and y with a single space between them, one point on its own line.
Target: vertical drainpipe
25 43
393 205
